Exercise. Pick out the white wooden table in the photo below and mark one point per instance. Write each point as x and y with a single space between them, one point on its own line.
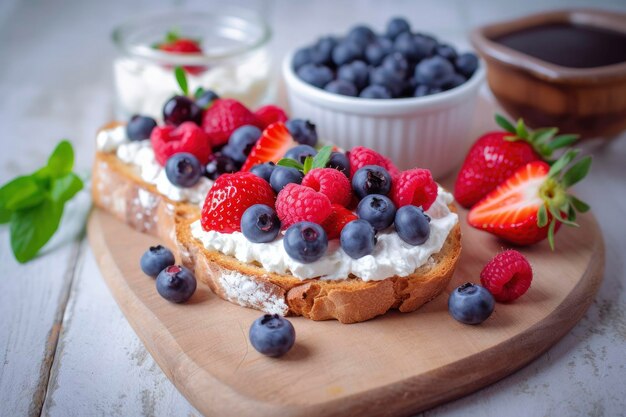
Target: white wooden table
65 347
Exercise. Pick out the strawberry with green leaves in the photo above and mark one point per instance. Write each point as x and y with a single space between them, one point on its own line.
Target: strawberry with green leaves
533 203
177 44
496 155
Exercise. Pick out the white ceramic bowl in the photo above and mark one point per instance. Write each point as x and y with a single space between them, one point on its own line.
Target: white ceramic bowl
427 132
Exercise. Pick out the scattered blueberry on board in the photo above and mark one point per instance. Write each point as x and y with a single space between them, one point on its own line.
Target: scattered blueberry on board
156 259
176 283
272 335
396 63
471 303
183 170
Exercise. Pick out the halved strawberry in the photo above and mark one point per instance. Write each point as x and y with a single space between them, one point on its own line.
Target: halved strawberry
531 204
271 147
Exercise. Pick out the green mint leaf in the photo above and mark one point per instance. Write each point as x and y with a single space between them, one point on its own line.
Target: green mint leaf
5 215
61 161
504 123
542 216
66 187
577 172
322 157
520 129
308 164
290 163
579 205
172 35
181 78
33 227
20 193
199 91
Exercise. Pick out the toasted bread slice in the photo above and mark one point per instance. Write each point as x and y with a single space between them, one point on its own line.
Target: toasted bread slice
118 189
350 300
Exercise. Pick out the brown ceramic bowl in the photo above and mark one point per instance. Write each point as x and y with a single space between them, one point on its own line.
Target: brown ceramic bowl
588 101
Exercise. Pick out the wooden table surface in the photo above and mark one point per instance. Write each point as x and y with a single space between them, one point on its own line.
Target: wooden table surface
65 347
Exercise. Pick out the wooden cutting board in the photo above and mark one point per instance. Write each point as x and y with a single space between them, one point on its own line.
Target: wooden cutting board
397 364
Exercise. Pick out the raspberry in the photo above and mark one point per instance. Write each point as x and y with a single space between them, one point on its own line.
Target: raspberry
223 117
415 186
188 137
296 203
270 114
339 217
330 182
507 276
230 196
360 156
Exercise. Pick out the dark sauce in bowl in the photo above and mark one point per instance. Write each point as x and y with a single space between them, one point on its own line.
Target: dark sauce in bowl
569 45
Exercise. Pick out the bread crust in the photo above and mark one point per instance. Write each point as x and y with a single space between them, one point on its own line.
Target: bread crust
350 301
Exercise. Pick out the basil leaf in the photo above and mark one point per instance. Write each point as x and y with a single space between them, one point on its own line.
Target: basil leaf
33 227
577 172
5 215
66 187
181 78
61 161
504 123
23 192
290 163
322 157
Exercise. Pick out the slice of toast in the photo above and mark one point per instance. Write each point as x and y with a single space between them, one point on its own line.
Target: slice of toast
118 189
350 300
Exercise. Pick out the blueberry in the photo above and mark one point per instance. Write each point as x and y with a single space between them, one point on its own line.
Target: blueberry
341 87
455 81
260 223
316 75
356 72
241 142
206 98
339 161
155 259
471 303
396 64
346 52
282 176
446 51
183 169
427 44
272 335
305 242
466 64
424 90
321 53
412 225
412 47
361 35
358 239
378 210
303 131
139 127
434 72
181 109
371 179
220 164
302 57
263 170
376 51
396 26
300 152
375 91
176 284
393 83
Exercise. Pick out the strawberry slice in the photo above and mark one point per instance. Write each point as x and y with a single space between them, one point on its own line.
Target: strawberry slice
531 204
271 147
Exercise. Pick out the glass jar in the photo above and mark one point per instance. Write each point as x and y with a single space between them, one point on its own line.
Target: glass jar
234 61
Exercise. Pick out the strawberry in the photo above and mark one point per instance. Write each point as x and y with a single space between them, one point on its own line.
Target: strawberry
230 196
531 204
271 147
174 43
224 116
496 155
